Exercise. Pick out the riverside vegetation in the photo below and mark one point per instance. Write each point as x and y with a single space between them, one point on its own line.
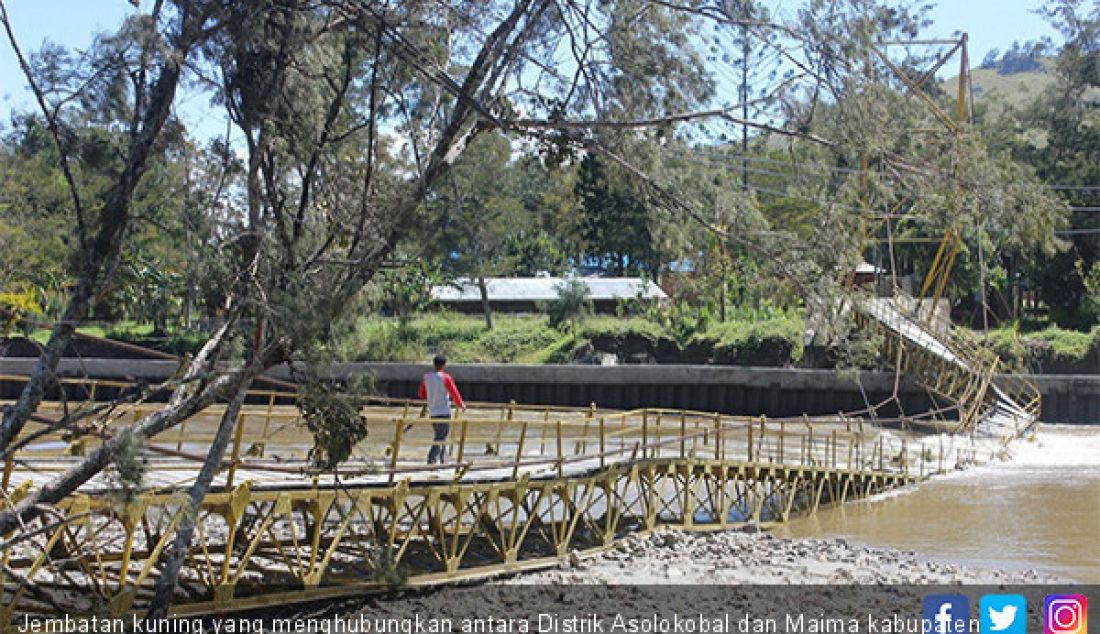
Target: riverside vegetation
765 337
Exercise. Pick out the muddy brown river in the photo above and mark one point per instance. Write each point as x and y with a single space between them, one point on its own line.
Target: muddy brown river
1039 510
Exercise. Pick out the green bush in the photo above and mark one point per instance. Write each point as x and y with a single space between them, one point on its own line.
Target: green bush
761 337
377 339
514 338
631 339
572 306
562 350
623 327
1047 349
773 341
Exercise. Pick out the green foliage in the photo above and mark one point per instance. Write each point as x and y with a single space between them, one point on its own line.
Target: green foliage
1050 348
509 341
151 293
1057 135
767 335
128 331
1091 280
562 350
860 349
333 415
572 305
389 571
407 290
463 338
16 305
178 342
126 472
604 326
772 340
616 225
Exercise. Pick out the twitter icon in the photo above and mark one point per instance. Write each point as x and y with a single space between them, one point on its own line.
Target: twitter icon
1002 614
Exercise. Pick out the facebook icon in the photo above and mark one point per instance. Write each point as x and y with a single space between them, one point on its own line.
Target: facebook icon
946 614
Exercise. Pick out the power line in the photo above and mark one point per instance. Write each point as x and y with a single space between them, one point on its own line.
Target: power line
1077 232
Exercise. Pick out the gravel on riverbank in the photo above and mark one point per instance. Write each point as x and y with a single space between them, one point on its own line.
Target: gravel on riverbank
739 557
695 577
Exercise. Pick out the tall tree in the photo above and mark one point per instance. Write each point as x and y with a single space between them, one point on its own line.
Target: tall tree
477 213
133 87
1067 154
350 116
616 222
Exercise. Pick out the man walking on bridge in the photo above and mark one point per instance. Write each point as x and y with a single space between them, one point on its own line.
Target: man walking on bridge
439 389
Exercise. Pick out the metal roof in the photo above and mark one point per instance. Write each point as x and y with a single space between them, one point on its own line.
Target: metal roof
866 268
533 289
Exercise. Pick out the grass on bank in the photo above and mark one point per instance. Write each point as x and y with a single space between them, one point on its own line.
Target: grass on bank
1048 348
530 339
180 342
756 338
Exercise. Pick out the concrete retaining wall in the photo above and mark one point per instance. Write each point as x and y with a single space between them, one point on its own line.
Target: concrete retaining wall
734 390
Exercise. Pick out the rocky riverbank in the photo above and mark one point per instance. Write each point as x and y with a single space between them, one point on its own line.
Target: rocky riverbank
676 581
738 557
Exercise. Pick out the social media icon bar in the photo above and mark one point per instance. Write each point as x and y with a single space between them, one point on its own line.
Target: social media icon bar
1002 614
946 614
1065 614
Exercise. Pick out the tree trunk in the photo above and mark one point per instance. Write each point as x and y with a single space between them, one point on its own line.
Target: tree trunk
186 401
166 583
113 221
43 374
486 307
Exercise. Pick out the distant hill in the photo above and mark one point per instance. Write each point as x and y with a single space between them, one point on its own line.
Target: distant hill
1015 89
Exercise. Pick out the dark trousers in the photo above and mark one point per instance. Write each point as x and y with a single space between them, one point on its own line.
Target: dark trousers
441 427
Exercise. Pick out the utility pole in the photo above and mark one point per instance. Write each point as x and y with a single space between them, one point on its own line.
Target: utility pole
744 108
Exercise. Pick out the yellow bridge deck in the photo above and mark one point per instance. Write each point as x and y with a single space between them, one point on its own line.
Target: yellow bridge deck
522 487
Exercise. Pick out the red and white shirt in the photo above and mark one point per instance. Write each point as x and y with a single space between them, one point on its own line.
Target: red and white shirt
440 390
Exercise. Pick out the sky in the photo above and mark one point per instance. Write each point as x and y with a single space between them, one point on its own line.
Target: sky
73 23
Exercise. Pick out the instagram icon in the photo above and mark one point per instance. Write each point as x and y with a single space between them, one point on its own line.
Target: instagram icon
1065 614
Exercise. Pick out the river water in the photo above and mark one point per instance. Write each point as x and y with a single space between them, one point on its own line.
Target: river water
1039 510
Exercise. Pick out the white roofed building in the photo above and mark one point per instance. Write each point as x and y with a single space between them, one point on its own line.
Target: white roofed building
524 294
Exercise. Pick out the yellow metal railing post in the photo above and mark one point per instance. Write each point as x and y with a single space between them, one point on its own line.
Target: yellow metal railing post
782 433
603 443
654 453
461 447
519 450
236 455
267 422
561 455
182 433
763 437
398 434
751 425
809 442
545 430
683 435
717 436
9 465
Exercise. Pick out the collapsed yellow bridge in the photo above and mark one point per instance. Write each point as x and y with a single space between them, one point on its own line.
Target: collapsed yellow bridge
523 487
